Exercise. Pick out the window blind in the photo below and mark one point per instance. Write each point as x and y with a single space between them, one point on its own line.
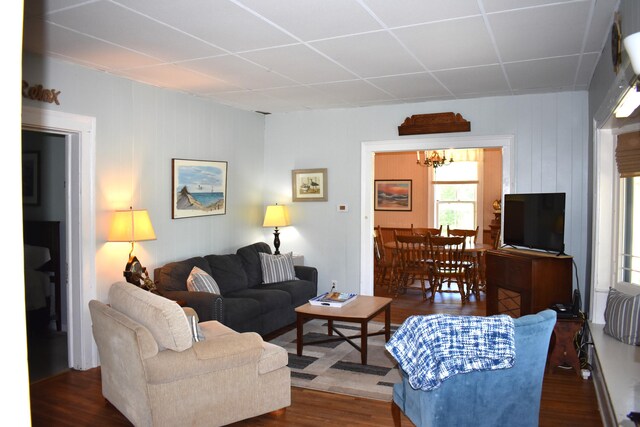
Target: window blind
628 154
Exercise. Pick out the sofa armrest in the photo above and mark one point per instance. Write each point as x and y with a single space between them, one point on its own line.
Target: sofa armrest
307 273
208 306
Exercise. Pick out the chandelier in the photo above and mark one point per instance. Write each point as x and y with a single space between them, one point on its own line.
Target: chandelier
434 159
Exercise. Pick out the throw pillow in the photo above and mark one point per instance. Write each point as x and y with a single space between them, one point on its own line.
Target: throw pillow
192 317
200 281
622 317
277 268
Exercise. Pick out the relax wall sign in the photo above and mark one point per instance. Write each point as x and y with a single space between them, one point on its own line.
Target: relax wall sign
39 93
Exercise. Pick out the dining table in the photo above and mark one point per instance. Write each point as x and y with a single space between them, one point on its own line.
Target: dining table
477 251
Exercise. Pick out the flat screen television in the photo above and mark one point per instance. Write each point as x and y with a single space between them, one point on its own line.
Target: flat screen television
534 220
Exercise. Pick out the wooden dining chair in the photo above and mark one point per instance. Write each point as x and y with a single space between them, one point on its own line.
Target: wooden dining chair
426 230
413 262
383 267
473 273
448 264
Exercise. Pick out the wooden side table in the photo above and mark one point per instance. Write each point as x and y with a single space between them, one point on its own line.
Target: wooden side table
563 351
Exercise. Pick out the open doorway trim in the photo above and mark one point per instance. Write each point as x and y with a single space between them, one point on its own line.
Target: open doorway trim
79 134
368 150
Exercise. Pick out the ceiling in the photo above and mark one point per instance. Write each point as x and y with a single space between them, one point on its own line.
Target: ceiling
289 55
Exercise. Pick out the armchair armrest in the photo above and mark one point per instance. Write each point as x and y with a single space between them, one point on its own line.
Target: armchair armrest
212 355
306 273
208 306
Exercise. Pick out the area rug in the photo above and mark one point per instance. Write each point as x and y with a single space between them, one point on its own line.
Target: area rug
335 366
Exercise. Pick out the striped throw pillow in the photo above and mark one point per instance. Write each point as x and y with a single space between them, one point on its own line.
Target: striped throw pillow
622 317
277 268
200 281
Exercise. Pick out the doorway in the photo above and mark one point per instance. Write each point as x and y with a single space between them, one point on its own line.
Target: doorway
44 222
80 237
368 152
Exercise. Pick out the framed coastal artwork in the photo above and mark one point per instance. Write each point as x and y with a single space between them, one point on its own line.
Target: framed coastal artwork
309 185
199 188
392 195
31 178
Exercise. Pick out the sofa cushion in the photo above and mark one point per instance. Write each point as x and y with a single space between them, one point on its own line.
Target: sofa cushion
301 291
269 299
173 276
251 261
164 318
622 317
228 272
242 314
277 268
201 281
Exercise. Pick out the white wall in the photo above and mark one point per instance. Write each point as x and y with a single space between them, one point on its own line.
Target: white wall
549 155
140 129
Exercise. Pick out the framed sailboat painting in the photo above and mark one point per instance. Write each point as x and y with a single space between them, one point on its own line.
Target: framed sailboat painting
199 188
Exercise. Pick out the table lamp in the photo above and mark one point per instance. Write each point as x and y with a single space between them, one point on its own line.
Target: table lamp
276 216
132 226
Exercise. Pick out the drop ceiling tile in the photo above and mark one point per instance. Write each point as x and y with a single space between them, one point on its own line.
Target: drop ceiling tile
408 12
587 67
315 19
451 44
39 7
411 86
552 73
302 95
370 55
540 32
254 101
600 25
352 91
219 22
80 48
239 72
501 5
300 63
472 80
174 77
131 30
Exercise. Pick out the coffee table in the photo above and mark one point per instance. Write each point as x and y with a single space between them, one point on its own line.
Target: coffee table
361 311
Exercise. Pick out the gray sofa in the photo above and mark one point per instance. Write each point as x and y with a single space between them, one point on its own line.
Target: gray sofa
245 303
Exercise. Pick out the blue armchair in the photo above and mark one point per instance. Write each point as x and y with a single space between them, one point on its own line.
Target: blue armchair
486 398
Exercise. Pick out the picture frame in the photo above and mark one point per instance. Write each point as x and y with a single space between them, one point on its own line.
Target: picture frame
31 178
393 195
309 185
198 188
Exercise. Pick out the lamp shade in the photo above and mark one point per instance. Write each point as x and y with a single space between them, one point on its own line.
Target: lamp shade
131 226
632 46
276 216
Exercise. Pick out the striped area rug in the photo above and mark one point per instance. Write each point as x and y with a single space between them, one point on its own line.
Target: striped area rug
335 366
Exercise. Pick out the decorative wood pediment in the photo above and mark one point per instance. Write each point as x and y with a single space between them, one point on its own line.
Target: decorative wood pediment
434 123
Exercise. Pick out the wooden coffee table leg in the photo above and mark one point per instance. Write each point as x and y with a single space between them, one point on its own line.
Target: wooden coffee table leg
387 323
299 327
363 341
330 327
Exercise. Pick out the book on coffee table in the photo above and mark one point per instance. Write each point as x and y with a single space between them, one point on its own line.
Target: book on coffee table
333 299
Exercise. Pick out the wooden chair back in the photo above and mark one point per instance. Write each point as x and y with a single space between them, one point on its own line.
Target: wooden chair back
471 236
424 231
447 255
412 253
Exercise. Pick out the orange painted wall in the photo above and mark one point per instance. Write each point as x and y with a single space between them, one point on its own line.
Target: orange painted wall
403 166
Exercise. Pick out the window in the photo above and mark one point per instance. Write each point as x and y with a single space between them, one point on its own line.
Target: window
455 190
629 252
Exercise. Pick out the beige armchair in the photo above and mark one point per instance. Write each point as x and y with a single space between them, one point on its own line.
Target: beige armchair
157 375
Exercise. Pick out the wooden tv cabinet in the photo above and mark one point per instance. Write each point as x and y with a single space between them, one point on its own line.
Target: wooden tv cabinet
523 282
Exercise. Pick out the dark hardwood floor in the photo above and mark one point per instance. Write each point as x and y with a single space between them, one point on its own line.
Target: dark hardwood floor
74 398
